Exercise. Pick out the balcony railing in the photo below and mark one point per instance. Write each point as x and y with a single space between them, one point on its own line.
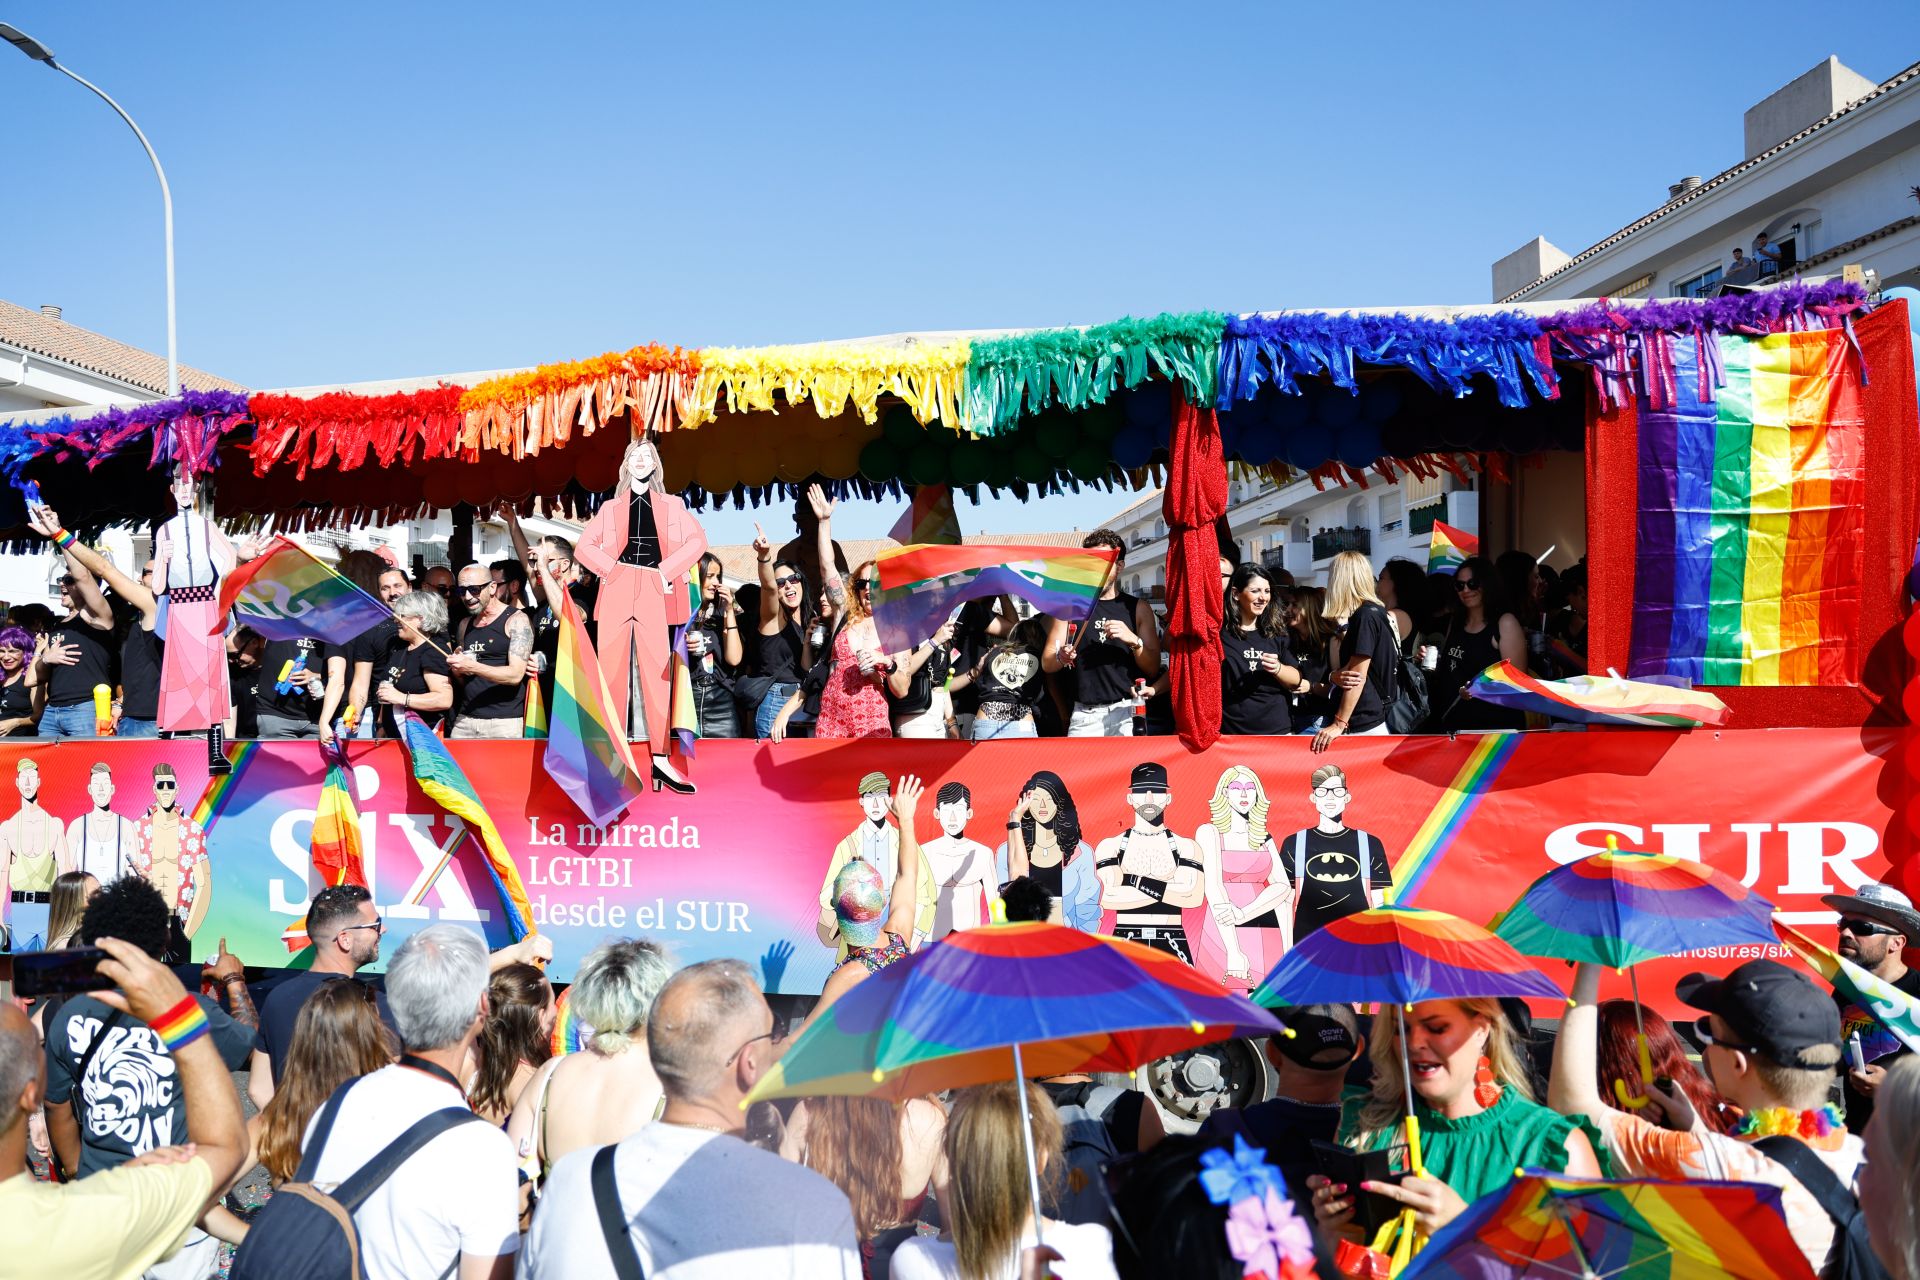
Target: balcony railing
1331 542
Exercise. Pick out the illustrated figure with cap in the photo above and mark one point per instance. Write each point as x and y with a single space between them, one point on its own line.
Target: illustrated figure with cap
1147 873
641 543
100 842
873 923
875 842
1312 1071
170 851
33 843
1335 869
1770 1042
962 869
1246 924
1877 925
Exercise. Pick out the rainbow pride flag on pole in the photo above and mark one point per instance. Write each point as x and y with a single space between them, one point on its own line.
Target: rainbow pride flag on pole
439 776
930 520
586 752
1661 701
1751 523
1476 777
286 594
1891 1007
1450 548
335 842
921 586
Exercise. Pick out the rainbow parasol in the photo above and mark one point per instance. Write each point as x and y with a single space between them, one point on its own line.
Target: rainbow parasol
570 1034
1005 1002
1400 956
1550 1226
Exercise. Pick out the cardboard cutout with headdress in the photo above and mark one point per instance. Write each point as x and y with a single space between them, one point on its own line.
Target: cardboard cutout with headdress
190 557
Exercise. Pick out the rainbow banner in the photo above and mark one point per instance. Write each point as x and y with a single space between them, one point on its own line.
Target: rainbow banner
1751 524
1892 1008
1450 548
437 775
1476 777
930 520
286 594
1607 699
335 842
534 725
221 786
920 587
585 753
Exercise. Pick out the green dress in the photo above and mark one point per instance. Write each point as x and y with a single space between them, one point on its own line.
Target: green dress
1478 1154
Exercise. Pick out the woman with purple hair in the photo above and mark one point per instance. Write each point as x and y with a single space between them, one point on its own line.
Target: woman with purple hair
20 697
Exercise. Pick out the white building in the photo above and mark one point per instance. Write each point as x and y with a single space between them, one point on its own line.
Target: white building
1830 162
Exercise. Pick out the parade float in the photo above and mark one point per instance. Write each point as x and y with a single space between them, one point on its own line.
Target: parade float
1750 471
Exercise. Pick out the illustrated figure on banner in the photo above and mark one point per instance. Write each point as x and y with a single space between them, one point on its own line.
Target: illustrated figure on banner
100 842
170 850
190 556
876 842
1043 843
1335 869
641 543
33 844
1246 924
962 869
1149 875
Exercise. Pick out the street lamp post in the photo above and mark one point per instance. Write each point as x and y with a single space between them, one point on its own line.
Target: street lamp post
40 53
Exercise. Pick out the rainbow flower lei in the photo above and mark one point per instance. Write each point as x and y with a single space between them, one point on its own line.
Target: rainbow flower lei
1265 1233
1769 1122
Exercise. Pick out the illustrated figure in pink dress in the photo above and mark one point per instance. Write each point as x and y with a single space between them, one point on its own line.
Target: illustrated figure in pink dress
1244 927
190 557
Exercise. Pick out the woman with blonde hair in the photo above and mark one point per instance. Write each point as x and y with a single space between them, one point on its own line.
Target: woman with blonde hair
1365 654
1243 928
1478 1119
881 1154
986 1201
1893 1150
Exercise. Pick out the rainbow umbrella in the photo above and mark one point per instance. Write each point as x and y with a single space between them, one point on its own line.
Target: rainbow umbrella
1006 1002
1542 1224
1400 956
1620 907
1666 702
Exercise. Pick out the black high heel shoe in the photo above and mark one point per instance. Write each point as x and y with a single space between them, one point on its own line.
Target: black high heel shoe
665 775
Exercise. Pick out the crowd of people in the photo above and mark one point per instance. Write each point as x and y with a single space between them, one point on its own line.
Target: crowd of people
427 1124
796 653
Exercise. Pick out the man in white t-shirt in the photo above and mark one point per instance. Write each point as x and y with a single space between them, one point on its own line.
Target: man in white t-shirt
699 1203
100 842
458 1197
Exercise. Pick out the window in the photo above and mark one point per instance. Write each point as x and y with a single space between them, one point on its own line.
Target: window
1390 512
1298 532
1357 514
1700 286
1159 528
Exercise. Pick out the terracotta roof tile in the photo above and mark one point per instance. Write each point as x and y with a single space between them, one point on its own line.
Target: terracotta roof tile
43 335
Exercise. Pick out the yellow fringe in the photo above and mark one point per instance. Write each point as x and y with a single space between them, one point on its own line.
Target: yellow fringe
931 380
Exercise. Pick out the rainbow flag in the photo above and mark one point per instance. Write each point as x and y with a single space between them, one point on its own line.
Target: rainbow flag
1895 1011
1751 523
920 586
439 776
587 753
930 519
535 723
335 843
1661 701
1476 777
286 594
221 787
1450 548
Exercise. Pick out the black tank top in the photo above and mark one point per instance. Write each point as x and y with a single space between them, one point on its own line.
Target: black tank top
69 686
483 699
1468 653
1105 669
779 655
140 674
16 702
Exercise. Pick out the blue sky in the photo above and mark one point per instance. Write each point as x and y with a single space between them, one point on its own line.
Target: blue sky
367 191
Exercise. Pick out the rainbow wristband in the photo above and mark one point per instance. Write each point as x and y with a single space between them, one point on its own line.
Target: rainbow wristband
181 1025
63 539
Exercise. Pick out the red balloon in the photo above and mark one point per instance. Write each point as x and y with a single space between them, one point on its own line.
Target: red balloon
441 488
598 472
1910 633
1910 701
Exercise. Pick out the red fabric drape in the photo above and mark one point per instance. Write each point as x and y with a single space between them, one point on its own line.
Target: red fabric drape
1196 495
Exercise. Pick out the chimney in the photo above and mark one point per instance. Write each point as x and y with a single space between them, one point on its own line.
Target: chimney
1830 87
50 311
1677 189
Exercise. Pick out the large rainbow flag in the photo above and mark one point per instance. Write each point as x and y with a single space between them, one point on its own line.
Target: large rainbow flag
1896 1013
1449 548
287 593
439 776
335 842
585 753
1751 526
921 586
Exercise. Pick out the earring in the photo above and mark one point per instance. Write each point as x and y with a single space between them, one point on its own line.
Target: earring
1486 1088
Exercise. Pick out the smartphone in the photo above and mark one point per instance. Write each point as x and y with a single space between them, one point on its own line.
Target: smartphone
52 973
1371 1210
1855 1052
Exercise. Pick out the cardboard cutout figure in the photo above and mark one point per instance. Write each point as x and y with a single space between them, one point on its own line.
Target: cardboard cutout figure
190 557
1246 924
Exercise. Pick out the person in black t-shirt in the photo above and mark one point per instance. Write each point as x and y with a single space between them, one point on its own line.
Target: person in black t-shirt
1258 677
1484 631
411 672
1312 1068
19 700
1335 869
77 654
364 655
292 681
139 644
1368 652
1877 925
496 645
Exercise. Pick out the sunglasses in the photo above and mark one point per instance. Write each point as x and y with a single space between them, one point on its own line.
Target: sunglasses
1466 584
378 926
863 584
1703 1028
66 579
475 588
441 589
788 580
1864 928
164 785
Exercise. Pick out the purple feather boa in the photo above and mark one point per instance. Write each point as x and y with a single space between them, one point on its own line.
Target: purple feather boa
184 431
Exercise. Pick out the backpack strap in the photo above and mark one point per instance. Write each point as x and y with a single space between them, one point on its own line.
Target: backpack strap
613 1217
310 1158
1812 1173
352 1193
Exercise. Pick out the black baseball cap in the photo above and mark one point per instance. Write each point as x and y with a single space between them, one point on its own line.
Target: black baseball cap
1148 777
1777 1010
1318 1043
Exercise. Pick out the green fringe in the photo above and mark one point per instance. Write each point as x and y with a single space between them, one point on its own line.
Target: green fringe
1008 378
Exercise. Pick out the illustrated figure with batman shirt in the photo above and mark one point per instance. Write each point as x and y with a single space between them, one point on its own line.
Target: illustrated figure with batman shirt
1335 869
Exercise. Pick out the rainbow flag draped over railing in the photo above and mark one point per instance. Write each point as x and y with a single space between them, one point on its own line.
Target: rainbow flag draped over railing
921 586
286 594
586 753
439 776
335 842
1449 548
1751 524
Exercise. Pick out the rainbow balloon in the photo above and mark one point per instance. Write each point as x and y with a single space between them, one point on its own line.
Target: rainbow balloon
1618 908
1400 955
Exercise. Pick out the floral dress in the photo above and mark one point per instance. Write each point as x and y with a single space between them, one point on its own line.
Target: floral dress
853 705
